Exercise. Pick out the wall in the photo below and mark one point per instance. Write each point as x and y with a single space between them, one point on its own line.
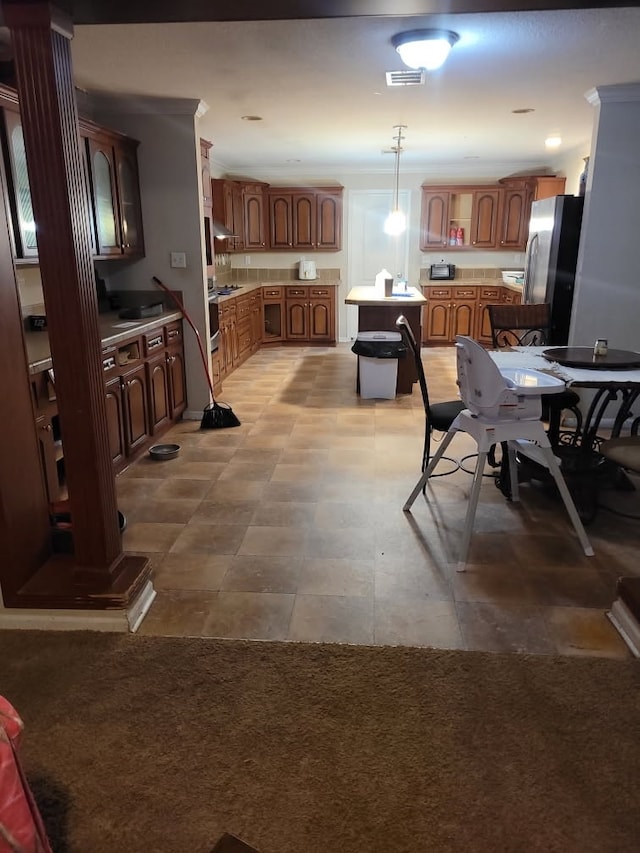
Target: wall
169 165
607 296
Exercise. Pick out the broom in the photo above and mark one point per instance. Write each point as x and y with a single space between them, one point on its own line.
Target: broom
215 415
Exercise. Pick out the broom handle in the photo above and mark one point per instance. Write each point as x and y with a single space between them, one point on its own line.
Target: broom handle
195 331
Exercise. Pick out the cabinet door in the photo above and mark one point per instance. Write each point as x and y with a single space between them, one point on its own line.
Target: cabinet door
115 422
328 220
25 226
256 321
129 199
434 222
516 206
254 224
223 211
103 184
177 382
280 220
484 219
304 221
135 408
321 320
437 328
546 186
297 315
463 318
273 325
158 385
487 296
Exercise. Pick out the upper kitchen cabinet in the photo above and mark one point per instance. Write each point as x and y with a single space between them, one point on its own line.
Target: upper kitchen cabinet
115 192
305 218
21 213
240 207
459 218
254 221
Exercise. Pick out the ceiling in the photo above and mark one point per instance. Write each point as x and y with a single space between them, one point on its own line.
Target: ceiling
319 86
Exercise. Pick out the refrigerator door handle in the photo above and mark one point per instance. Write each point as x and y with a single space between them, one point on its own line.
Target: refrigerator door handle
528 266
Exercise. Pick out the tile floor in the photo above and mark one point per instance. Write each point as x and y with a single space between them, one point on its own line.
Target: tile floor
290 527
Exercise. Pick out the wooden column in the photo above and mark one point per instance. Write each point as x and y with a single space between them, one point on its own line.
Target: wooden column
42 52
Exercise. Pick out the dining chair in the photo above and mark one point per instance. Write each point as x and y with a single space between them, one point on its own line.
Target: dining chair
501 407
530 325
438 416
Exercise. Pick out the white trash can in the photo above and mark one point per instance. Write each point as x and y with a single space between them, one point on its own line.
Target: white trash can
378 376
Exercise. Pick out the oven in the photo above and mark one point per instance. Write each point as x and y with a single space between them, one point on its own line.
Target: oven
214 321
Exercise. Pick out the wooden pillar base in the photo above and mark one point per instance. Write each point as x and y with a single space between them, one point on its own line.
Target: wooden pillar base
61 583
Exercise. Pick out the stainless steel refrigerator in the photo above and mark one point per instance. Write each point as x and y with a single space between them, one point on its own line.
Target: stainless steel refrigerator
552 255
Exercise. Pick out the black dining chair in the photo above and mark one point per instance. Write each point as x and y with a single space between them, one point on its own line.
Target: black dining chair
529 325
438 416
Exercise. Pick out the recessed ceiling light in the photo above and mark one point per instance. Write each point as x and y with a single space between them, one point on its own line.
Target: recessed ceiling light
251 118
553 141
471 157
523 110
293 160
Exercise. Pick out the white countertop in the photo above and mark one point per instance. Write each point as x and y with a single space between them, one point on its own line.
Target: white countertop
367 295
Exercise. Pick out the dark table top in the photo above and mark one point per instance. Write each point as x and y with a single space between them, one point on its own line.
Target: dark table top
614 359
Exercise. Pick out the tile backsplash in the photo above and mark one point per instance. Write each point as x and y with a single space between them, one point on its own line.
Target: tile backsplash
468 273
225 274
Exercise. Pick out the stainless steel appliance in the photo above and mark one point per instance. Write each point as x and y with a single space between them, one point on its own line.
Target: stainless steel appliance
552 255
214 317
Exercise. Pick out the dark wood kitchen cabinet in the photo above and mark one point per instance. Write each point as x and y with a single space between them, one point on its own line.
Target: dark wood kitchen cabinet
115 192
273 326
310 314
115 423
240 207
455 309
305 218
514 222
459 218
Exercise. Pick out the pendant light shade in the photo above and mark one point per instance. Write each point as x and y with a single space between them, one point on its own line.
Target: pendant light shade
396 222
426 49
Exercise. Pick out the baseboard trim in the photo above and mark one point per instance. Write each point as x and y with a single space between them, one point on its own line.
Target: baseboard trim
626 625
114 621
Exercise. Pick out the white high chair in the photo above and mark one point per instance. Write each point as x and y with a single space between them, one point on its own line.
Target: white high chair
501 406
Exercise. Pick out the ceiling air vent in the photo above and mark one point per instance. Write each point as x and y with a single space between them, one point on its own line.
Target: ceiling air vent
405 78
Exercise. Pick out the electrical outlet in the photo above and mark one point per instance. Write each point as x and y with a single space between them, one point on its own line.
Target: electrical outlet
178 260
247 260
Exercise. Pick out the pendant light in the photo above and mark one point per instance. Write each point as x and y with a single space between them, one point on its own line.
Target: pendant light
396 222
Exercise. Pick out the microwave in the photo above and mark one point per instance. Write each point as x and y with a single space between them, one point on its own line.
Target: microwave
442 272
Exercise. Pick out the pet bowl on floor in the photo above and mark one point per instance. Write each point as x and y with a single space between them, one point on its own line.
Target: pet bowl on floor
164 451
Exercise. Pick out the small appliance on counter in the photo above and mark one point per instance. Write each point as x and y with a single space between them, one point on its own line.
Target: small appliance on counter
442 272
307 271
138 312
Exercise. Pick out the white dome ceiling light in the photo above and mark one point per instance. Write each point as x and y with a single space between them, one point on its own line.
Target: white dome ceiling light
426 49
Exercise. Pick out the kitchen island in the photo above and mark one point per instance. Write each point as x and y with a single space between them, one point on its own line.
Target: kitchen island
379 313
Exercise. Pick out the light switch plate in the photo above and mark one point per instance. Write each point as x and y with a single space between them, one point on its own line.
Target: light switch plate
178 260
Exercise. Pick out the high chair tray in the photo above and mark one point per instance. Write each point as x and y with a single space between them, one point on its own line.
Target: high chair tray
533 382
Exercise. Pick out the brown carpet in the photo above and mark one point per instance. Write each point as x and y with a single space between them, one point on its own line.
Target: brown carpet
158 744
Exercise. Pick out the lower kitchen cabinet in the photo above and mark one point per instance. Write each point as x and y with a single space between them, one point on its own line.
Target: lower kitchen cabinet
135 407
461 310
115 423
310 314
273 327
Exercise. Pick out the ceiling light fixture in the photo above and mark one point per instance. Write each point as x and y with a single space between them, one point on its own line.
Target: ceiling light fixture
426 49
553 141
396 222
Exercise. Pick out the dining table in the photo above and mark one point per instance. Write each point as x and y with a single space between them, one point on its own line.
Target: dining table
614 380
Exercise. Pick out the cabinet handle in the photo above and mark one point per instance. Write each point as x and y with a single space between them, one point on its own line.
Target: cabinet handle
46 427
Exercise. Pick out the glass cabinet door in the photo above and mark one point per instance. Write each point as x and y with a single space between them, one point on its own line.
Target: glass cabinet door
26 226
129 195
104 200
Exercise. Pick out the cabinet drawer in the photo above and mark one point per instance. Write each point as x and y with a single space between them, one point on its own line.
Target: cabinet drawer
272 292
243 308
153 341
491 293
227 309
297 292
173 334
322 292
438 292
467 292
109 361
